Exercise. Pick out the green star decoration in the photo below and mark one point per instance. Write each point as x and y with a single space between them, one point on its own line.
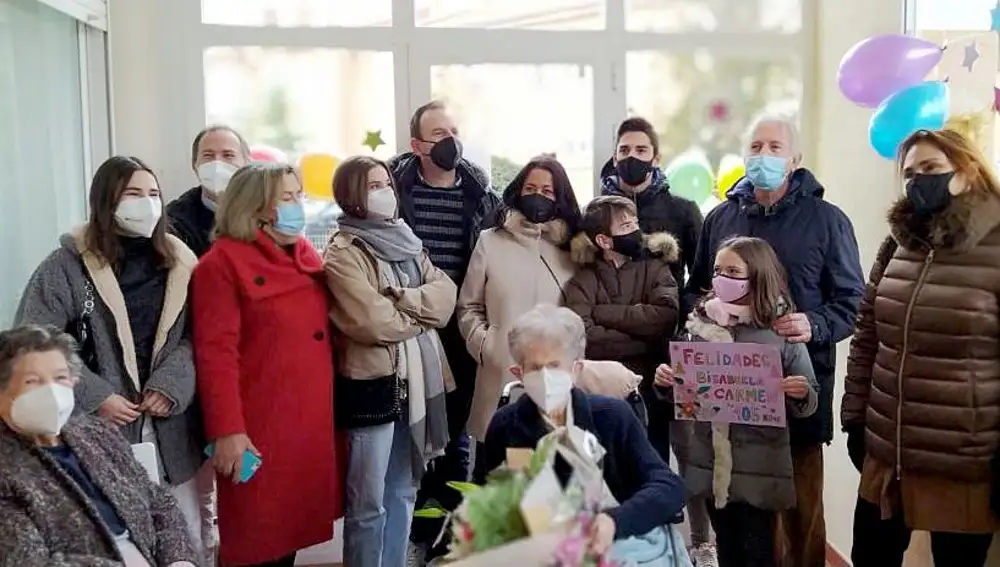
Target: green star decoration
373 139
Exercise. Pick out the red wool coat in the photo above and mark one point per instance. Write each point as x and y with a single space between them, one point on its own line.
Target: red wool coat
265 367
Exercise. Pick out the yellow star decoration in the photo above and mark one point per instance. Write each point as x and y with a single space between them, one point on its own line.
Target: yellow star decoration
373 139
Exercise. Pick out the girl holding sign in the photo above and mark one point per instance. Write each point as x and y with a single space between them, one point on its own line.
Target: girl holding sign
745 471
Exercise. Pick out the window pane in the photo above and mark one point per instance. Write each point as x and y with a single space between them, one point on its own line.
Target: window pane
41 140
300 101
948 15
553 113
522 14
955 24
704 102
713 15
297 13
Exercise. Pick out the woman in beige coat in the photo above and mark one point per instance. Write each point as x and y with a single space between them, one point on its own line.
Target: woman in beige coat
388 301
519 263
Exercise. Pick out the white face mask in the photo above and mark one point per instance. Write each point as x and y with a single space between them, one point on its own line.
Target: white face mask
138 216
382 203
44 410
215 176
548 388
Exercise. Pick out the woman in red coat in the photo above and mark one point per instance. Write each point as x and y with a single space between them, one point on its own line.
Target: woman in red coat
265 371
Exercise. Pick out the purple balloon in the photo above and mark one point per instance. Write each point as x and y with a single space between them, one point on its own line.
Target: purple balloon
880 66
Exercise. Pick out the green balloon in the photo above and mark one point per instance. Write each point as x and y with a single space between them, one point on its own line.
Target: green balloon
691 180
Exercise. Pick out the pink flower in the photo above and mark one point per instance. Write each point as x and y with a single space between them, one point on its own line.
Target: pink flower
570 552
465 532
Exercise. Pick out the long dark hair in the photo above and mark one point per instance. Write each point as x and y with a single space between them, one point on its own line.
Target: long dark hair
567 208
769 295
101 237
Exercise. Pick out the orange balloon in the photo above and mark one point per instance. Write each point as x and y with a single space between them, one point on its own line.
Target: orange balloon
317 174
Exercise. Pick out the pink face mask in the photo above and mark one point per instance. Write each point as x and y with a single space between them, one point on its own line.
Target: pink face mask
730 289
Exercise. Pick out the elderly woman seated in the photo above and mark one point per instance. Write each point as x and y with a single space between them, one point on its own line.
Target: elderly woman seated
71 493
547 345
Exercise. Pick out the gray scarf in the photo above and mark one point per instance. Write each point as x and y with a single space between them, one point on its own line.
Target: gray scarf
395 245
390 240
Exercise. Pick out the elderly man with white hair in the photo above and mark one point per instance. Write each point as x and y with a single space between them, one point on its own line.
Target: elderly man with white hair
782 202
547 345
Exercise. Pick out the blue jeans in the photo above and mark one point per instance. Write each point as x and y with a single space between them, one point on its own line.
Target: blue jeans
381 490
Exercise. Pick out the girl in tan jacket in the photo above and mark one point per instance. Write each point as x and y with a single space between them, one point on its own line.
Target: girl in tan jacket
519 263
388 301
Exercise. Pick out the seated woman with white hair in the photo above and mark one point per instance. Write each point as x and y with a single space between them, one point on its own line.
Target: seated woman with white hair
547 345
71 493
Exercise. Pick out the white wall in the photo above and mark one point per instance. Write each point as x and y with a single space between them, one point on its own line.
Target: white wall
157 97
863 185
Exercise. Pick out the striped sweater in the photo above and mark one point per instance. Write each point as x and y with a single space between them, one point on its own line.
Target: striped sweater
438 222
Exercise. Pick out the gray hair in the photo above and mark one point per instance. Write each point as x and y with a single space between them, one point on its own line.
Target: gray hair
19 341
244 146
789 121
557 325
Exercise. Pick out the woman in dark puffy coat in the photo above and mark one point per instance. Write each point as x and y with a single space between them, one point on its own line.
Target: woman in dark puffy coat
922 401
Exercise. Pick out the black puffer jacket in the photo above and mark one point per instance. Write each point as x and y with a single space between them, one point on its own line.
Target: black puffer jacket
662 211
480 201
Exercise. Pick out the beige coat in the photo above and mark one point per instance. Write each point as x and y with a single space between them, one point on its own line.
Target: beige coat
370 321
512 269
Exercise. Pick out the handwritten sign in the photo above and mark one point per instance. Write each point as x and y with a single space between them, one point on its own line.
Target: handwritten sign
728 383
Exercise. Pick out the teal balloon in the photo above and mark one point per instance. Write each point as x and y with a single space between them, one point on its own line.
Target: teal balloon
691 180
920 107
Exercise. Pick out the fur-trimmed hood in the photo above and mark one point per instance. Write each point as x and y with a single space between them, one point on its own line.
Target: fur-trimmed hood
661 245
703 328
959 227
555 231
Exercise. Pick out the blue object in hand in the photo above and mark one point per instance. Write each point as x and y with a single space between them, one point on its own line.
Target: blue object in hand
251 463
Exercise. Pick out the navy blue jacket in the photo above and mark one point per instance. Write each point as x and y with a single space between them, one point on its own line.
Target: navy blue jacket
650 493
815 243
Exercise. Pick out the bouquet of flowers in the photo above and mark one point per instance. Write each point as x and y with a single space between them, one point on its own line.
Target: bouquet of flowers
523 515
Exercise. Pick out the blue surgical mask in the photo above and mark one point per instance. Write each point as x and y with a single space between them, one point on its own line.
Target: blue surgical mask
766 172
291 219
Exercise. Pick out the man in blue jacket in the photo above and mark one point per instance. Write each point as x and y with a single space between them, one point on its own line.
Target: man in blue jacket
782 202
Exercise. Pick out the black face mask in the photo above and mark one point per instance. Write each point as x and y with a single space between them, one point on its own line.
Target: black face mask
928 193
633 171
446 153
536 208
629 245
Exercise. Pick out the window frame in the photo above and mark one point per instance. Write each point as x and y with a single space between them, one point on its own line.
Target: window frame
92 13
95 79
416 49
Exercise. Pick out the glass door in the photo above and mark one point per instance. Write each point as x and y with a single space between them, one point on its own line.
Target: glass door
520 94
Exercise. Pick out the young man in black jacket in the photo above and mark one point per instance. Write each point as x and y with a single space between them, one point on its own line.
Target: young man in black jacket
447 201
216 153
634 172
